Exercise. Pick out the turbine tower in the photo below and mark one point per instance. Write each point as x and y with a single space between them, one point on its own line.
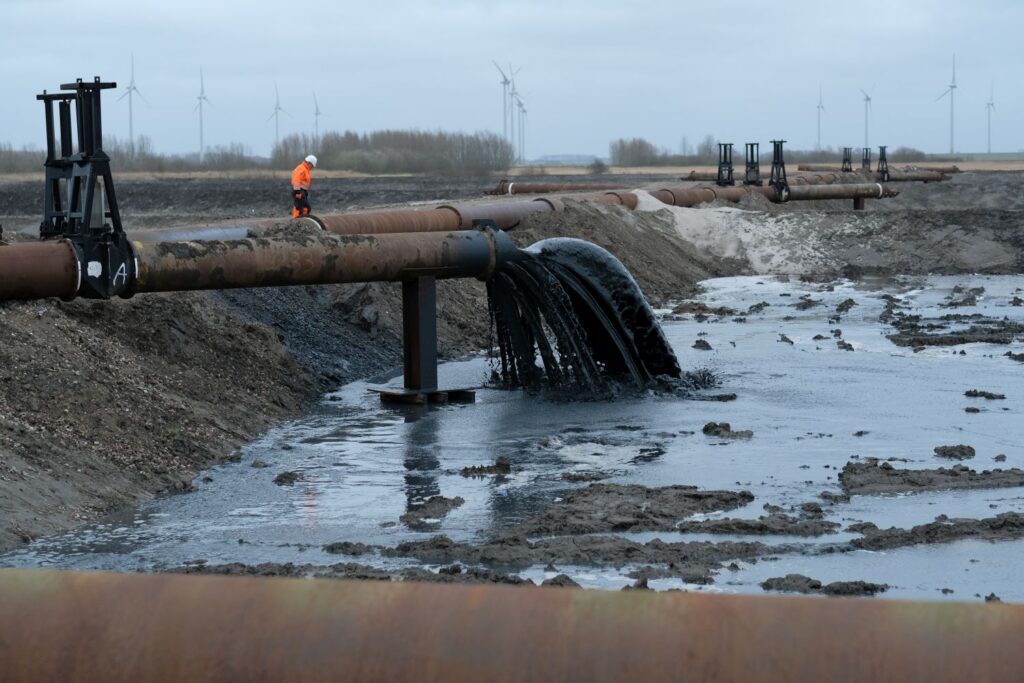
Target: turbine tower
522 128
989 106
514 104
275 114
130 92
951 91
316 121
505 82
199 107
821 108
867 112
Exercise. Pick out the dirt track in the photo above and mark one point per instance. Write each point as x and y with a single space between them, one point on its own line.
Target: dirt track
104 403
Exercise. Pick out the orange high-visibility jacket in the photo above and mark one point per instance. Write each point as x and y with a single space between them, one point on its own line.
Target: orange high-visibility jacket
301 177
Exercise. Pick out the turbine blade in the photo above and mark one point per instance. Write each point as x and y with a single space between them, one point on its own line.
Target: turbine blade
272 115
124 95
140 96
942 95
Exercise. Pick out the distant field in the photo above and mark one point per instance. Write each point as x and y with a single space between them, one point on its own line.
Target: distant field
516 171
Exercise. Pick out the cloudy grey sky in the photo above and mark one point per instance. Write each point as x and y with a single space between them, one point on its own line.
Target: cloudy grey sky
592 71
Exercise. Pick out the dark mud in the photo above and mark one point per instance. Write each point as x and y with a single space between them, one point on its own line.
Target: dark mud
434 509
1006 526
772 524
351 571
697 559
798 583
958 452
724 430
873 477
916 331
501 466
623 507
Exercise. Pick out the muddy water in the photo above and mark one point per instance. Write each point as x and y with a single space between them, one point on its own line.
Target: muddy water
811 405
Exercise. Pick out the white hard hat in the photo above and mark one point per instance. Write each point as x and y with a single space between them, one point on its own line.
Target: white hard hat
312 160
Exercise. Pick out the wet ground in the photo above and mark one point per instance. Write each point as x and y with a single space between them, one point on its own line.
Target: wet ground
814 399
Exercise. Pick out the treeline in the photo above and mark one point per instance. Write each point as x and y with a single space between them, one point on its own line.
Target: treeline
641 152
386 151
398 151
141 157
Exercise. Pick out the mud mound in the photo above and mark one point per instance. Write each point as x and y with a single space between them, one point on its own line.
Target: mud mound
872 477
103 402
1008 525
618 507
798 583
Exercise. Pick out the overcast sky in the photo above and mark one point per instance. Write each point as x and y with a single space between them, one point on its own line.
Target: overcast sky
592 71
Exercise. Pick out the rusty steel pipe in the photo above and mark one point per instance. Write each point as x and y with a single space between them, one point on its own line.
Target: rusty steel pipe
441 219
512 187
36 270
39 270
505 214
916 169
129 627
688 196
305 260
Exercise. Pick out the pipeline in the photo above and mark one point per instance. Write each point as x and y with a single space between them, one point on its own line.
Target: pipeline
509 187
424 241
506 215
37 270
130 627
812 174
946 170
692 196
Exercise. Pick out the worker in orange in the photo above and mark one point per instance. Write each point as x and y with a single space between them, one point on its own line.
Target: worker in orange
302 178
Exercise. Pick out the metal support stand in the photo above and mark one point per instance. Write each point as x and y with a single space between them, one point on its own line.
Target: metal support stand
752 176
858 204
725 170
778 177
419 349
72 208
847 160
883 164
865 160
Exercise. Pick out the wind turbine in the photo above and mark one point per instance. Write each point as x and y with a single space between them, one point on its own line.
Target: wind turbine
951 91
821 108
316 121
522 128
275 114
513 102
129 92
505 82
989 106
199 107
867 112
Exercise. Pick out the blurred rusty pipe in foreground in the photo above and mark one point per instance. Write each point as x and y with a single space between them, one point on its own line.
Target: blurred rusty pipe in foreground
37 270
130 627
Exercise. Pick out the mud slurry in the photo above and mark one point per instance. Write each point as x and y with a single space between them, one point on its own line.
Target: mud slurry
674 507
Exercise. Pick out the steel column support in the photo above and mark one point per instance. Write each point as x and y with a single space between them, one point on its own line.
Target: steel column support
419 333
